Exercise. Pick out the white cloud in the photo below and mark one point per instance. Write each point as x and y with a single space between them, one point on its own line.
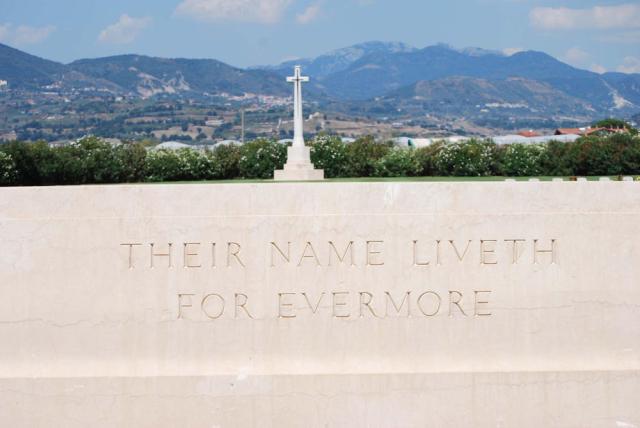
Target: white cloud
309 14
4 32
598 17
125 31
630 65
263 11
512 51
24 34
576 56
597 68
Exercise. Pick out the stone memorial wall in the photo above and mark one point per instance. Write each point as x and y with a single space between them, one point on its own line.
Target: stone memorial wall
321 304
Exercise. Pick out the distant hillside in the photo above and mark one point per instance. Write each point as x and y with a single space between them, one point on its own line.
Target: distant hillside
379 73
136 75
472 96
148 76
340 59
387 78
24 71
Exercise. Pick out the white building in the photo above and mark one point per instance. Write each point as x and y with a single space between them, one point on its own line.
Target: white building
519 139
171 145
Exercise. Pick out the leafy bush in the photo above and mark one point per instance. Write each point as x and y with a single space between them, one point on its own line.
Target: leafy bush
181 165
7 169
398 162
521 159
228 158
362 156
614 155
556 159
472 158
91 160
34 162
330 154
426 156
259 158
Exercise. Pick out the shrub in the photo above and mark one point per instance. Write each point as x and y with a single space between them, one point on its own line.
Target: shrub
628 152
362 156
613 155
521 159
472 158
34 163
330 154
556 159
131 160
259 158
181 165
7 169
91 160
398 162
426 156
228 158
162 165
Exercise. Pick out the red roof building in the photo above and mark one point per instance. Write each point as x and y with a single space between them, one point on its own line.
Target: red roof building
528 134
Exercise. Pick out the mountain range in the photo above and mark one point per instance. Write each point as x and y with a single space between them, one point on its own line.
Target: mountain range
373 76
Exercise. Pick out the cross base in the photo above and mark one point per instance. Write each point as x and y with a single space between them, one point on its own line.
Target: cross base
298 166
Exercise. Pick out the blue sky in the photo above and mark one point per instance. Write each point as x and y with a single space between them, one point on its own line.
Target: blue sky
598 35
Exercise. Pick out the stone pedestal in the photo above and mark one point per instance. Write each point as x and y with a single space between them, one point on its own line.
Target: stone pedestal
298 166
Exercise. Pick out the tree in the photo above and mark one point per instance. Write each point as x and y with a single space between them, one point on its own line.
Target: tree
613 123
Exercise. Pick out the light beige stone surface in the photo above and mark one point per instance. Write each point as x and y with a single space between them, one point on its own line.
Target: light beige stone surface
298 166
88 341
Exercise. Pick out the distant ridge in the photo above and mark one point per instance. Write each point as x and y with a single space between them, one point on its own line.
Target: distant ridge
339 59
149 76
394 74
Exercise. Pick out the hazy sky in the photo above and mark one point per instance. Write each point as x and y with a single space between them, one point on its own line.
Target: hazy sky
598 35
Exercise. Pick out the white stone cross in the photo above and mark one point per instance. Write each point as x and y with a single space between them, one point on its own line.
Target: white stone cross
298 166
298 122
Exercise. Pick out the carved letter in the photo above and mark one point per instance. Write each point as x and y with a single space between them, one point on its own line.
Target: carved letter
349 249
455 301
274 246
479 302
181 305
213 254
415 256
488 252
205 299
314 309
406 299
130 252
365 302
241 301
191 253
460 257
439 300
233 253
339 304
313 255
537 251
284 306
373 252
515 249
167 254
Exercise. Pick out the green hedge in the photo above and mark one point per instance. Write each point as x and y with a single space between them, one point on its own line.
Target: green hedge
94 161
